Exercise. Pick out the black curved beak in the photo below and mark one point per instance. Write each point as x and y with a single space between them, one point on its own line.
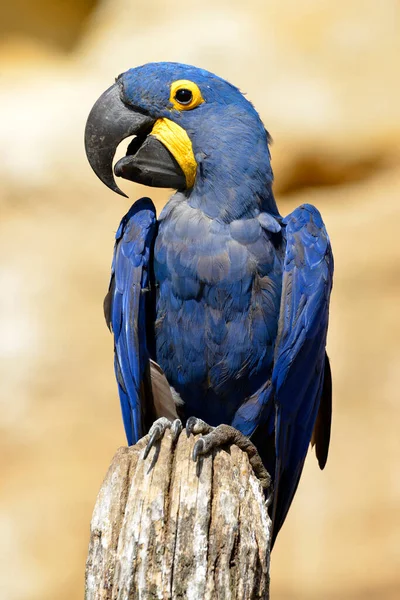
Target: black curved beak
147 161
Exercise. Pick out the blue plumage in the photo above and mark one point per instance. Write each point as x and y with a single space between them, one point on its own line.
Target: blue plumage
124 308
236 311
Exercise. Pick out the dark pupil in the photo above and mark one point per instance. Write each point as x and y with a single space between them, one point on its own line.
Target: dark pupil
184 96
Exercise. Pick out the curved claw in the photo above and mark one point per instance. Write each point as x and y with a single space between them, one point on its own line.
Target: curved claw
226 435
195 426
157 433
158 429
198 449
176 429
190 423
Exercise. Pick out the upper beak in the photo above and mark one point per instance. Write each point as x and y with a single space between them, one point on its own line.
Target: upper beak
148 161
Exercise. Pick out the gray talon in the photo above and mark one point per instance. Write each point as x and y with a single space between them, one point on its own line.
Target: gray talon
153 438
156 432
198 449
195 426
223 435
190 424
176 428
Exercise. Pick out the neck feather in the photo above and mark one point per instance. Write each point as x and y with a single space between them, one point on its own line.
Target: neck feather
234 175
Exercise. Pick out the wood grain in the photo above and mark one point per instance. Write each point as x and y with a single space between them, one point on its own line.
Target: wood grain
168 528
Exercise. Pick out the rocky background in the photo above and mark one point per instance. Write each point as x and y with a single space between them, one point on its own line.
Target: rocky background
323 76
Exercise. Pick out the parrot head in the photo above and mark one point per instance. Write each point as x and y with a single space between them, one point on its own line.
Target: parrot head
187 124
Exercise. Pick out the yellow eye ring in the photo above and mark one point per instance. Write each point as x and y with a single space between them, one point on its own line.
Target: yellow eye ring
185 95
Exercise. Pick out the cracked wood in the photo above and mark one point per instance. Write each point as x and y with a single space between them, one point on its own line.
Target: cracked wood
168 528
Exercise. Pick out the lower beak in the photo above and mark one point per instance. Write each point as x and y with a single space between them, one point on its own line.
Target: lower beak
148 161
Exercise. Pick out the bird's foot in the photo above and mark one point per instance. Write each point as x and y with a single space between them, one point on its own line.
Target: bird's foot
158 429
196 426
215 437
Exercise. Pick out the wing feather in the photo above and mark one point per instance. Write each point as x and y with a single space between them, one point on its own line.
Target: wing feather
322 430
125 311
300 368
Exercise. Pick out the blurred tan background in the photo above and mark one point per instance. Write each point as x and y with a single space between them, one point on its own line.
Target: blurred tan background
324 76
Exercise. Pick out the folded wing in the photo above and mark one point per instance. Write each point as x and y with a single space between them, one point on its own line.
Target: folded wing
127 306
301 374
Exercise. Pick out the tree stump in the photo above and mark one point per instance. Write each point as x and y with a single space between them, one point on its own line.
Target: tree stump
168 528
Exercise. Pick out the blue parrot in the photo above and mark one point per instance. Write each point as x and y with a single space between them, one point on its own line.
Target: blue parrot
219 308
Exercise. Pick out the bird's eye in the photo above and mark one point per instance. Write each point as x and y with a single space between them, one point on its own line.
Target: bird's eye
184 96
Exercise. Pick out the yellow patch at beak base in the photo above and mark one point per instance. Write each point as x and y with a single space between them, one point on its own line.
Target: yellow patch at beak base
177 141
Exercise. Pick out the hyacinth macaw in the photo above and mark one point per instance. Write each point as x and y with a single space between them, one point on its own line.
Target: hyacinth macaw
219 308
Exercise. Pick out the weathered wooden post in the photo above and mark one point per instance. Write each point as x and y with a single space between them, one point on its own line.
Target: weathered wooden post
168 528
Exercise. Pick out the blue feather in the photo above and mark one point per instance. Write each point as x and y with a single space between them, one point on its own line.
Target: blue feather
298 371
127 312
241 295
